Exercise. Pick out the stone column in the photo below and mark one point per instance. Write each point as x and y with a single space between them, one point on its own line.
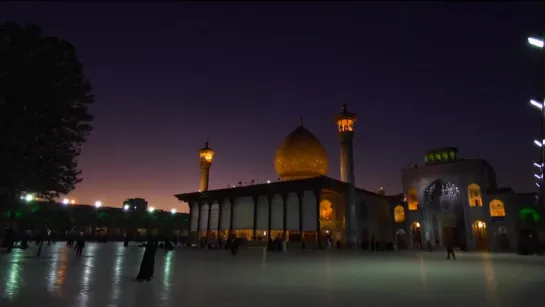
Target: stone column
208 224
269 221
254 234
198 219
285 215
190 221
232 201
318 230
300 196
220 213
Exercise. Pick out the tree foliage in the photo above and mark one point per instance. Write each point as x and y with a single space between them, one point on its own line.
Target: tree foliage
44 118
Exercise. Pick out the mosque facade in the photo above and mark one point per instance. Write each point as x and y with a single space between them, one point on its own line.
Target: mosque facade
445 200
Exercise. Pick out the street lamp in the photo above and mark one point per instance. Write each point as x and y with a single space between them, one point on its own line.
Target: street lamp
98 204
151 209
536 42
173 211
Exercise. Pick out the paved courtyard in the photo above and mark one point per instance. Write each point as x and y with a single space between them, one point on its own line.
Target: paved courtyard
104 276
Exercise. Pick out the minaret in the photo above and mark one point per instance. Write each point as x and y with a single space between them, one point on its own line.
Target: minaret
345 122
206 155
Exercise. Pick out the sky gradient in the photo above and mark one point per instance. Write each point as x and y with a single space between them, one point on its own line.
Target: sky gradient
418 75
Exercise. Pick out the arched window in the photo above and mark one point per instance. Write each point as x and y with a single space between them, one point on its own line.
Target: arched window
412 200
326 210
497 208
474 195
399 214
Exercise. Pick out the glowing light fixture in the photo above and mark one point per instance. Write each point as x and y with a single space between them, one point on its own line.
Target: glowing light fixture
480 224
126 207
29 197
538 143
73 202
151 209
535 42
268 181
66 201
537 176
536 104
538 165
98 204
417 225
539 186
173 211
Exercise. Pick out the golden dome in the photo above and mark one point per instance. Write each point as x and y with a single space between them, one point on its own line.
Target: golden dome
300 156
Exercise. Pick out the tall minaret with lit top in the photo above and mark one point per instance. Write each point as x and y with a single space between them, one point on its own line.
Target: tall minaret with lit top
345 122
206 155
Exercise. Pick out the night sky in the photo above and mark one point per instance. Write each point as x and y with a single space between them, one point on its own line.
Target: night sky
419 76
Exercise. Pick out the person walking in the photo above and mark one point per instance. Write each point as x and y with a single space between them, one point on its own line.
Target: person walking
147 266
80 244
450 250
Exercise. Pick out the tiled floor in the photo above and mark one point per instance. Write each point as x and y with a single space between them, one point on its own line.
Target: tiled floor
104 276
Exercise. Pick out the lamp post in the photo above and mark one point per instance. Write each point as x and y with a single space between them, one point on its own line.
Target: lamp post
538 43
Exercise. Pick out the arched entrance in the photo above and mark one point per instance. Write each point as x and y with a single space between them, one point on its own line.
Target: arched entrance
401 239
480 235
502 239
327 236
416 236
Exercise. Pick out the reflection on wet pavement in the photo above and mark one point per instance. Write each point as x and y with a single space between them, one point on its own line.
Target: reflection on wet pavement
104 276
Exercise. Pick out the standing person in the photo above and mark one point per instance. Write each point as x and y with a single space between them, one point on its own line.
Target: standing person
148 262
450 250
9 237
40 242
48 233
234 245
80 244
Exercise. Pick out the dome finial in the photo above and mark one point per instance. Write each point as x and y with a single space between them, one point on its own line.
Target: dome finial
206 142
301 119
345 108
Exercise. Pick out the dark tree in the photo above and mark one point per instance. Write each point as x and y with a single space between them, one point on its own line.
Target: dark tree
44 119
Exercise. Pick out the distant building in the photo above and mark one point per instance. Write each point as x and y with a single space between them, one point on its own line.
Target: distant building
135 205
458 199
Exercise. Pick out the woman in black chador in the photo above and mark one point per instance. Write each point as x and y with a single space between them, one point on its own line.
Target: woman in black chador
148 262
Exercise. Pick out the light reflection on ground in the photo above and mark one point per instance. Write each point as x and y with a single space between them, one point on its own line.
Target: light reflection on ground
104 276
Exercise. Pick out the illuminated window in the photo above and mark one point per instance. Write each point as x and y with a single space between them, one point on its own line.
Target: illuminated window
452 155
346 124
326 210
412 200
438 157
474 195
399 214
497 208
445 156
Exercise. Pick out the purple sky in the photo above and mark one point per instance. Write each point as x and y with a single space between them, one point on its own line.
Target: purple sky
419 76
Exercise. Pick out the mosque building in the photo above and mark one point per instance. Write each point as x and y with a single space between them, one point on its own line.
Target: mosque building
447 199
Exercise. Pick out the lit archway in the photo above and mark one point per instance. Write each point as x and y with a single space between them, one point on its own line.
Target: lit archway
497 209
480 234
326 210
416 235
399 214
474 195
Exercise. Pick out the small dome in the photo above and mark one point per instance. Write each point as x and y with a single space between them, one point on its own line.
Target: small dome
300 156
